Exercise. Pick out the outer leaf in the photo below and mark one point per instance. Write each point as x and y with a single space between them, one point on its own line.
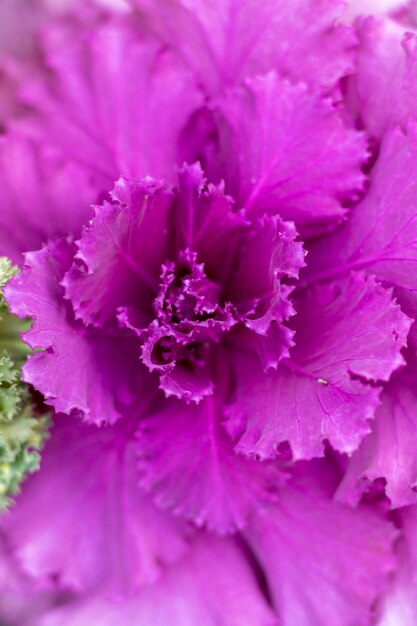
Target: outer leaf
113 102
385 57
346 336
325 563
37 199
21 598
82 521
188 464
225 41
286 150
78 370
398 606
212 586
388 452
380 236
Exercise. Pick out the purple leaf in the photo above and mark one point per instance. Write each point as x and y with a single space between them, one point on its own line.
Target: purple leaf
107 97
101 530
189 466
225 41
388 452
380 237
325 563
284 149
120 253
385 56
347 336
268 255
77 370
37 201
212 586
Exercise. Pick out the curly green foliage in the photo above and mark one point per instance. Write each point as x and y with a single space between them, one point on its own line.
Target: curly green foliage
10 325
23 428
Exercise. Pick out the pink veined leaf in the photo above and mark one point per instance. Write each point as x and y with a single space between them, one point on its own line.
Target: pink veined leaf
226 41
77 370
388 452
119 256
380 236
205 220
113 102
102 530
212 586
269 258
325 563
188 464
347 335
385 56
286 150
36 196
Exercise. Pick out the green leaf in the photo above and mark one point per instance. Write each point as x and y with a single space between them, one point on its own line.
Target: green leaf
23 426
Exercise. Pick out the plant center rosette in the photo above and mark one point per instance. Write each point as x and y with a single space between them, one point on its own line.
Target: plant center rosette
175 314
165 286
204 298
189 276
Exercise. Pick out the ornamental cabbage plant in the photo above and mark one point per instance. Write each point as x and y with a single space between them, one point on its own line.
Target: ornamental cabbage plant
213 206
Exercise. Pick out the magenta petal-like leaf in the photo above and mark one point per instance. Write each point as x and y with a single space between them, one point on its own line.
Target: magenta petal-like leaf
284 149
181 367
205 220
269 254
225 41
23 599
188 464
325 563
388 452
37 201
380 236
101 529
385 56
347 335
111 102
120 253
77 370
212 586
